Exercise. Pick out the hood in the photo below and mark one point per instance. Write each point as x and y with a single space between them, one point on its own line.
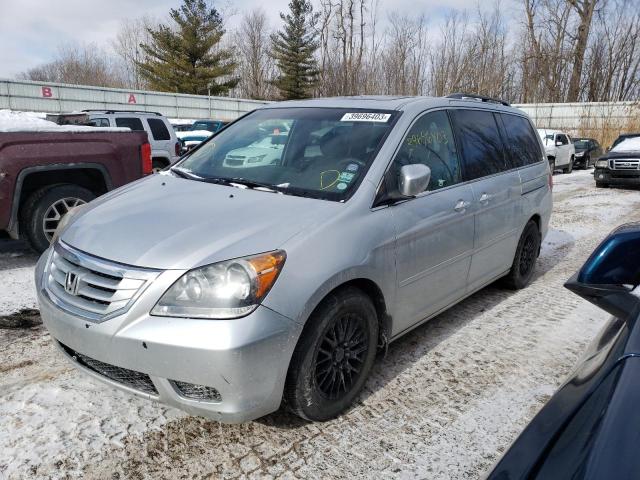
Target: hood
173 223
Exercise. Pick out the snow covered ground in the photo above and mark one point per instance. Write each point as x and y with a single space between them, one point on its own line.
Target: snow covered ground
445 402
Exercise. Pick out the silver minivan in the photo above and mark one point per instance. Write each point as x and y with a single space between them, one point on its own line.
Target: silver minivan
227 289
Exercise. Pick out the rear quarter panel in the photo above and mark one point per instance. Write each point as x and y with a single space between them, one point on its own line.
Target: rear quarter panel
118 153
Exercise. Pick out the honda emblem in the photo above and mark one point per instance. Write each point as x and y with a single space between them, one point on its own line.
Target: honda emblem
72 283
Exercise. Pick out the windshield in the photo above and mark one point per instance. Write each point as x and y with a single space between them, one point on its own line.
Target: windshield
314 152
208 126
581 144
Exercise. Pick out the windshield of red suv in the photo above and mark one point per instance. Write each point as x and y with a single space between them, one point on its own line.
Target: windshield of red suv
314 152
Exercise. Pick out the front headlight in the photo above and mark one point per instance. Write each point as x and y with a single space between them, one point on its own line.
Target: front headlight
602 164
256 159
229 289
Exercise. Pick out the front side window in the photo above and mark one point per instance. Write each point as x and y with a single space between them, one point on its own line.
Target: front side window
133 123
562 139
482 147
430 142
315 152
522 143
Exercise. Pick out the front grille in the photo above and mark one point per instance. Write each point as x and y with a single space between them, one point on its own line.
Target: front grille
625 164
198 392
130 378
90 287
234 161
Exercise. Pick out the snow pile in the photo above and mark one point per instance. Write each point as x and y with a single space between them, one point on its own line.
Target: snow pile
629 145
14 121
194 133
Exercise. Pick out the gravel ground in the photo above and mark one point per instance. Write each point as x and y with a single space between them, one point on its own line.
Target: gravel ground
444 403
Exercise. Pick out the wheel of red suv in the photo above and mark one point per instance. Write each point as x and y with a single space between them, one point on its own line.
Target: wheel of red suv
524 262
45 208
333 357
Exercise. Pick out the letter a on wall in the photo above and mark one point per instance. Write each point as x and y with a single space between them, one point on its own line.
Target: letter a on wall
132 98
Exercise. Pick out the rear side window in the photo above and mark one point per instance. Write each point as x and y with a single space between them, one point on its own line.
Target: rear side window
132 123
522 141
99 122
482 147
158 129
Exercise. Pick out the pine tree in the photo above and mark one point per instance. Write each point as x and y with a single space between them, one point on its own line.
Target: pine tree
186 57
293 50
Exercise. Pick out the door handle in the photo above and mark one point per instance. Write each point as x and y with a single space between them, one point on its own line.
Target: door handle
485 197
461 206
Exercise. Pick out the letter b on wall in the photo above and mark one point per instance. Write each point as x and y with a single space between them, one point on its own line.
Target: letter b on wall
47 92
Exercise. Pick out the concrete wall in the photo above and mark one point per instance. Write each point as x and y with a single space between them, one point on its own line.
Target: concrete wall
54 98
583 116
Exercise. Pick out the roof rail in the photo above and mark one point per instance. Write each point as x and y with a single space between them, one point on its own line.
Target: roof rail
462 96
109 112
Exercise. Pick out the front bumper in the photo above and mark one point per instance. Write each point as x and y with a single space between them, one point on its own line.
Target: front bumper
617 177
245 359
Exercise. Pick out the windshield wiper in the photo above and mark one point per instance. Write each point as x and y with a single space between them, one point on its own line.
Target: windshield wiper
185 174
252 184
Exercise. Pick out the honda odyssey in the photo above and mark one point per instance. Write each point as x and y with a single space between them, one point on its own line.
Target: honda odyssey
227 291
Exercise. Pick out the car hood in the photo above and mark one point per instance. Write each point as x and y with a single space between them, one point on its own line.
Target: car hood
172 223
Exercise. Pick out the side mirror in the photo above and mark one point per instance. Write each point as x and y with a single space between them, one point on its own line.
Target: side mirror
558 143
413 179
612 273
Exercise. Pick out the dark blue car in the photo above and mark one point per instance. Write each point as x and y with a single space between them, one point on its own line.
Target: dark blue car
590 429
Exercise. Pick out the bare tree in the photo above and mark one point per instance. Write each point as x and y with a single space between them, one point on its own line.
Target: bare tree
131 34
585 10
256 67
80 64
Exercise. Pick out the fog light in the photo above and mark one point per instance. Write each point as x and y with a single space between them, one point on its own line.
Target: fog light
197 392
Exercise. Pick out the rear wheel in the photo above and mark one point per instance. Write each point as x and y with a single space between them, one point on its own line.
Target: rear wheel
45 208
333 357
552 165
524 262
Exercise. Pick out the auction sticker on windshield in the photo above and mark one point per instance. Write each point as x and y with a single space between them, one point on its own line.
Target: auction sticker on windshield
366 117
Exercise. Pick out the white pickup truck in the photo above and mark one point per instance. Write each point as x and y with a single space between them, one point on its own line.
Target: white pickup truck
559 149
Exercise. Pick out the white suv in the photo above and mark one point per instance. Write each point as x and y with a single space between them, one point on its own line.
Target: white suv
165 146
559 149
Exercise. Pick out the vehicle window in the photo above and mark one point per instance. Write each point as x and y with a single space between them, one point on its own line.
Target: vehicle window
522 143
132 123
562 139
583 144
430 142
99 122
315 152
482 147
158 129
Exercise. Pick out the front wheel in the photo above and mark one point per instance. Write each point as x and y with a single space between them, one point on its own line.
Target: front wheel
524 262
333 357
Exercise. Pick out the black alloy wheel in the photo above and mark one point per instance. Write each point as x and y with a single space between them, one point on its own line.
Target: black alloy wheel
334 355
524 261
340 356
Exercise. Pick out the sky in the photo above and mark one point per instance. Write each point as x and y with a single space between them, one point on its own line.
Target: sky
32 30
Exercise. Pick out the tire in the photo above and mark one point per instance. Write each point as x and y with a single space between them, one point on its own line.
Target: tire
46 202
552 166
158 165
317 387
568 168
587 163
524 261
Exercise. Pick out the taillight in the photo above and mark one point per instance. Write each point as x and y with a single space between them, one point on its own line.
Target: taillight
145 157
178 149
